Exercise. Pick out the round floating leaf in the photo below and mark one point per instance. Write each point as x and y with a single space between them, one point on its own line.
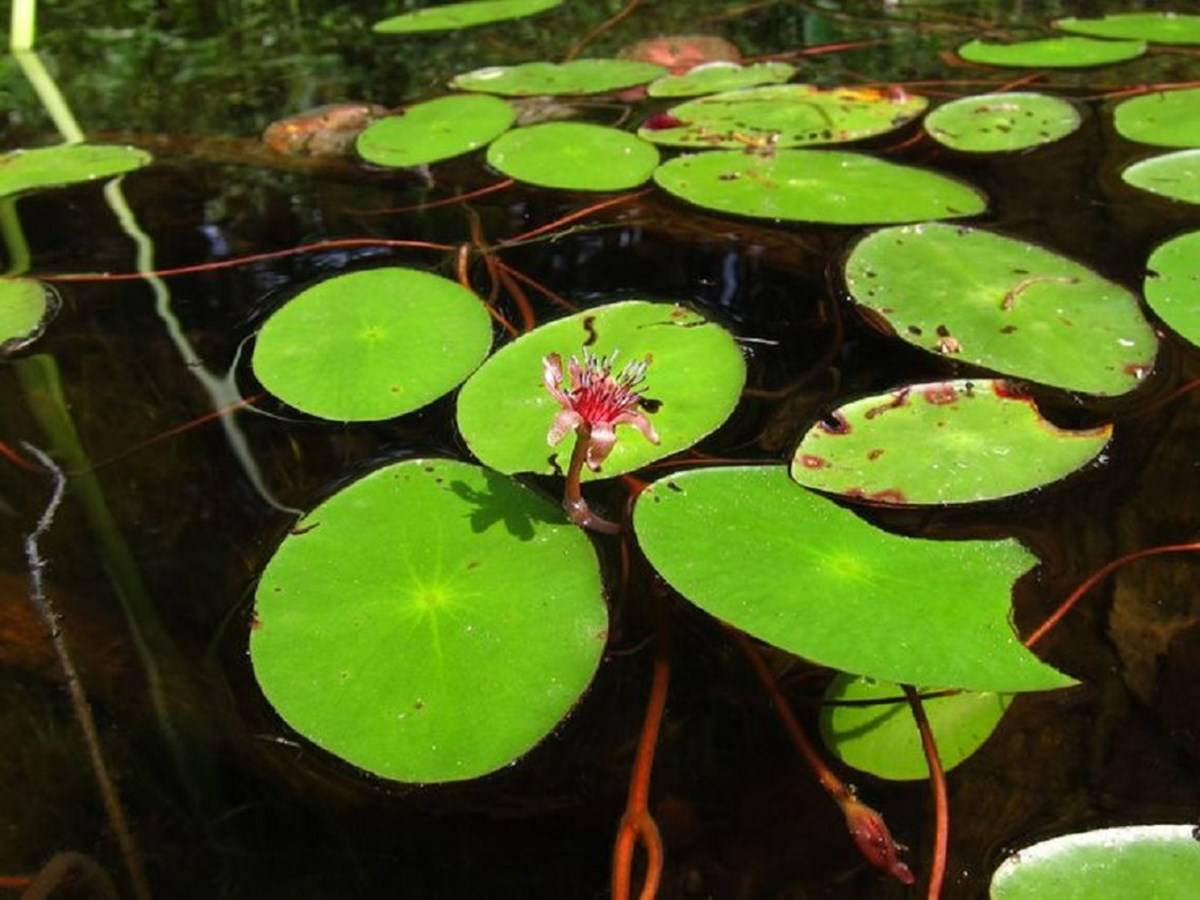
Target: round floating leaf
692 384
883 738
722 75
452 16
1172 285
793 569
1163 118
1174 175
1049 53
430 622
948 442
999 123
1003 304
436 130
372 344
574 156
26 306
1157 27
787 115
816 186
1130 863
580 76
27 170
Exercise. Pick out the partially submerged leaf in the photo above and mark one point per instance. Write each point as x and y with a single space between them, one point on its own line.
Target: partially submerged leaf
1161 118
436 130
452 16
1172 175
579 76
1172 285
1049 53
574 156
1001 123
27 170
26 306
721 75
1157 27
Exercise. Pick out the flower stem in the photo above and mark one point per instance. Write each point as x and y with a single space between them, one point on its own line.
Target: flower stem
937 782
574 505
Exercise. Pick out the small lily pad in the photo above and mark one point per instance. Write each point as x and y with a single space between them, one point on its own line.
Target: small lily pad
436 130
692 384
1007 305
946 442
1172 175
26 306
830 186
883 738
574 156
1001 123
27 170
372 344
783 115
431 622
722 75
1050 53
1172 285
793 569
579 76
1129 863
1156 27
452 16
1162 118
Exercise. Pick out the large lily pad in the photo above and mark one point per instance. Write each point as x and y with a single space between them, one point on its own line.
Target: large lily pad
1050 53
25 308
1000 123
692 384
1172 284
574 156
430 622
579 76
1157 27
436 130
372 344
1129 863
830 186
722 75
27 170
1161 118
1004 304
787 115
452 16
793 569
1173 175
947 442
883 738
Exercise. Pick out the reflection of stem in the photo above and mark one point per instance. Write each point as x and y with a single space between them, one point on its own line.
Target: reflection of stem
22 24
625 12
13 236
574 505
48 92
937 783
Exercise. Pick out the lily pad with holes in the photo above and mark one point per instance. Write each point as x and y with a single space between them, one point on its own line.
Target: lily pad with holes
27 170
1135 861
785 115
1001 123
722 75
1051 53
692 384
1172 175
1172 286
883 738
1162 118
1156 27
940 443
574 156
435 130
452 16
579 76
1007 305
829 186
431 622
373 344
26 306
793 569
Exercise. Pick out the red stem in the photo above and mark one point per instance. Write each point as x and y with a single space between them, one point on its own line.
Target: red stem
445 201
573 217
624 13
937 784
524 307
550 295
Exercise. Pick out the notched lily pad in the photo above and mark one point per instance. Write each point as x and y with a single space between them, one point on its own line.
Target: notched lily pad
1001 123
1049 53
452 16
1156 27
721 75
579 76
574 156
1161 118
941 443
27 170
1172 175
435 130
26 307
1172 286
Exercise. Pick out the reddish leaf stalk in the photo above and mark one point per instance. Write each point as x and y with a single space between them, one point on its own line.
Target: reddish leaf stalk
573 217
550 295
524 307
624 13
15 882
937 785
574 505
445 201
462 272
16 458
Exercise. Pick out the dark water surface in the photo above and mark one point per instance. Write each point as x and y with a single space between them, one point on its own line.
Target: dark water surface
155 553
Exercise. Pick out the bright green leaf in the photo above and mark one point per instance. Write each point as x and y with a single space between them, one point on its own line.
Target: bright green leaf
1161 118
1049 53
25 308
574 156
1172 284
436 130
1001 123
579 76
722 75
452 16
27 170
1173 175
1157 27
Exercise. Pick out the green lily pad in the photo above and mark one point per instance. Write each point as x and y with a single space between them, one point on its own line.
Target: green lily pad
692 384
1129 863
1163 118
1173 175
793 569
574 156
722 75
1001 123
1003 304
1172 285
436 130
830 186
1050 53
452 16
27 170
26 306
883 739
431 622
783 115
579 76
1156 27
947 442
372 344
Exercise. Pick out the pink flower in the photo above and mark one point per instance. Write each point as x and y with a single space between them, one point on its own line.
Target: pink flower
596 401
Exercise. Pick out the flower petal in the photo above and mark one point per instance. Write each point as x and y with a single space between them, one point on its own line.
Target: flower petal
640 422
602 439
564 423
552 378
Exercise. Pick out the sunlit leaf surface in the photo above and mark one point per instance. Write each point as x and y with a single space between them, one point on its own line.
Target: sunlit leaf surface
1172 175
436 130
580 76
574 156
452 16
1000 123
1060 52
